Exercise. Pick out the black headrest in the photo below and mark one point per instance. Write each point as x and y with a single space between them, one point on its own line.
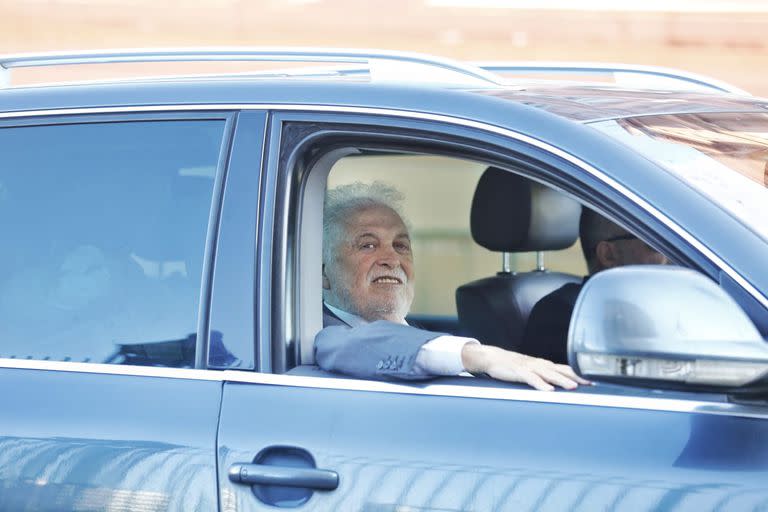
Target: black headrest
514 214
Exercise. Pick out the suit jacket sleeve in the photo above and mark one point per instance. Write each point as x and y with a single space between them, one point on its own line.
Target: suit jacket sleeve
378 350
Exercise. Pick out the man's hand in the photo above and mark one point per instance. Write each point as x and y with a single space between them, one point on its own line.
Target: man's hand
514 367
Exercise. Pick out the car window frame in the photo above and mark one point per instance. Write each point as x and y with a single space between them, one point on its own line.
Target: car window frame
591 190
233 303
137 114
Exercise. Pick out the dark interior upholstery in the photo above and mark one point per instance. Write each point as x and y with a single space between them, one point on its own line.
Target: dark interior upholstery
511 213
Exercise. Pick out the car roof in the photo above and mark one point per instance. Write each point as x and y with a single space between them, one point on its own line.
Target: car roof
581 102
590 102
372 78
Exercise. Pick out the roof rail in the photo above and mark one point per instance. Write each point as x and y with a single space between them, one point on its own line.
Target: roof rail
622 73
375 59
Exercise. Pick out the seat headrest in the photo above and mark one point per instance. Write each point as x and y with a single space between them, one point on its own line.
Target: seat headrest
511 213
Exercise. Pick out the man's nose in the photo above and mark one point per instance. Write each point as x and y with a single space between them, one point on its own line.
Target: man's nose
388 258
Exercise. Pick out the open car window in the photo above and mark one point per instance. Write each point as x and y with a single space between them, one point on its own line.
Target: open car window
438 198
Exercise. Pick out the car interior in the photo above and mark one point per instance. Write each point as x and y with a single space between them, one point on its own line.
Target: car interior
512 214
486 249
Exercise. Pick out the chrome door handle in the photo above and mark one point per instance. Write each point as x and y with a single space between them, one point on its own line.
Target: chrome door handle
262 474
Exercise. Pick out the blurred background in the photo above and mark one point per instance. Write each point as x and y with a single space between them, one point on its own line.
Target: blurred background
722 38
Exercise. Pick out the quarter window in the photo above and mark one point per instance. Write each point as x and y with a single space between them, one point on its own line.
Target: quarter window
104 228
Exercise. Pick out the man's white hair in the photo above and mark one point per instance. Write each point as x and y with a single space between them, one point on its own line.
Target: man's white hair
343 200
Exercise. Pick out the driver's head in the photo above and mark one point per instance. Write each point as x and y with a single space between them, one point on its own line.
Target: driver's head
607 245
367 259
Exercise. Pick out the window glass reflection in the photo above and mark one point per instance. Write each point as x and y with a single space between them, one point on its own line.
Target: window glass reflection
104 229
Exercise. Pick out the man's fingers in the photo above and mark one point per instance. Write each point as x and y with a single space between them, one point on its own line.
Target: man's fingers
538 373
554 377
568 372
520 373
535 381
558 372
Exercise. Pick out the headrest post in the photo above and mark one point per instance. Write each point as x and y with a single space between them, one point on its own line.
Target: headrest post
506 266
540 261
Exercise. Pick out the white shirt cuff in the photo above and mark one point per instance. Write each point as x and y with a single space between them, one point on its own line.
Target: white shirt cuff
442 356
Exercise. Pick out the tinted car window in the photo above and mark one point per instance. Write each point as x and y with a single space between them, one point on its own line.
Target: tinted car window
104 229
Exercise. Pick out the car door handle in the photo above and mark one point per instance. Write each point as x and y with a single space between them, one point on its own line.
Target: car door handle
262 474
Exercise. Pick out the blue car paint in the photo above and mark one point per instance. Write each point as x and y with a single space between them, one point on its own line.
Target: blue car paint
81 441
232 305
453 453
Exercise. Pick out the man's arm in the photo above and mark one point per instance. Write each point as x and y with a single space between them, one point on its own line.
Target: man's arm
385 350
505 365
378 350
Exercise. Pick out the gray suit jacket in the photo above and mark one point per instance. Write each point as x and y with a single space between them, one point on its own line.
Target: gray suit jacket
379 350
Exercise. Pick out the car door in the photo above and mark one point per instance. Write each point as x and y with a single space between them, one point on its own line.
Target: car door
103 294
295 437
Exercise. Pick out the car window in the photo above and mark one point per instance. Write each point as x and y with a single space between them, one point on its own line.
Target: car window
104 235
459 284
438 197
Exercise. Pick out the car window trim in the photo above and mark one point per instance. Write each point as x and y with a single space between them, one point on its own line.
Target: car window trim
211 237
607 400
233 304
65 118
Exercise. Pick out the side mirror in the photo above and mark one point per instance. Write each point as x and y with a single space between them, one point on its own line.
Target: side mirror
666 327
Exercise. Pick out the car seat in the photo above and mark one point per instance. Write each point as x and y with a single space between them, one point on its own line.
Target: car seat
512 214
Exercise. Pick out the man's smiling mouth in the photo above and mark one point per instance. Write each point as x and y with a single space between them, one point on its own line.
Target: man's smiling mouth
387 280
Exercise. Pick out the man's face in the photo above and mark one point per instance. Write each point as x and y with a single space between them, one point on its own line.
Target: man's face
371 274
633 251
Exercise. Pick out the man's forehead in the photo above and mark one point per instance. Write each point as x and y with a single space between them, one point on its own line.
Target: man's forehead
376 220
374 232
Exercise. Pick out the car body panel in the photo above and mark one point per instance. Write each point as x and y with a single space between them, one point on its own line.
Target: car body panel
231 324
592 102
89 441
575 102
395 451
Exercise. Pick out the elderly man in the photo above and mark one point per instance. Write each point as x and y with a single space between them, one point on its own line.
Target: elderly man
605 245
368 288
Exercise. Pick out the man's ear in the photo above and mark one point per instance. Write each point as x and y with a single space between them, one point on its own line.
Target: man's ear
606 255
326 281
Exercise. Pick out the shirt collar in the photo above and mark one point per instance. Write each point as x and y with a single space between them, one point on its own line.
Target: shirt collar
347 317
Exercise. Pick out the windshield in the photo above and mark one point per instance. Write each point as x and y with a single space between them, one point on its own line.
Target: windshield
723 155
